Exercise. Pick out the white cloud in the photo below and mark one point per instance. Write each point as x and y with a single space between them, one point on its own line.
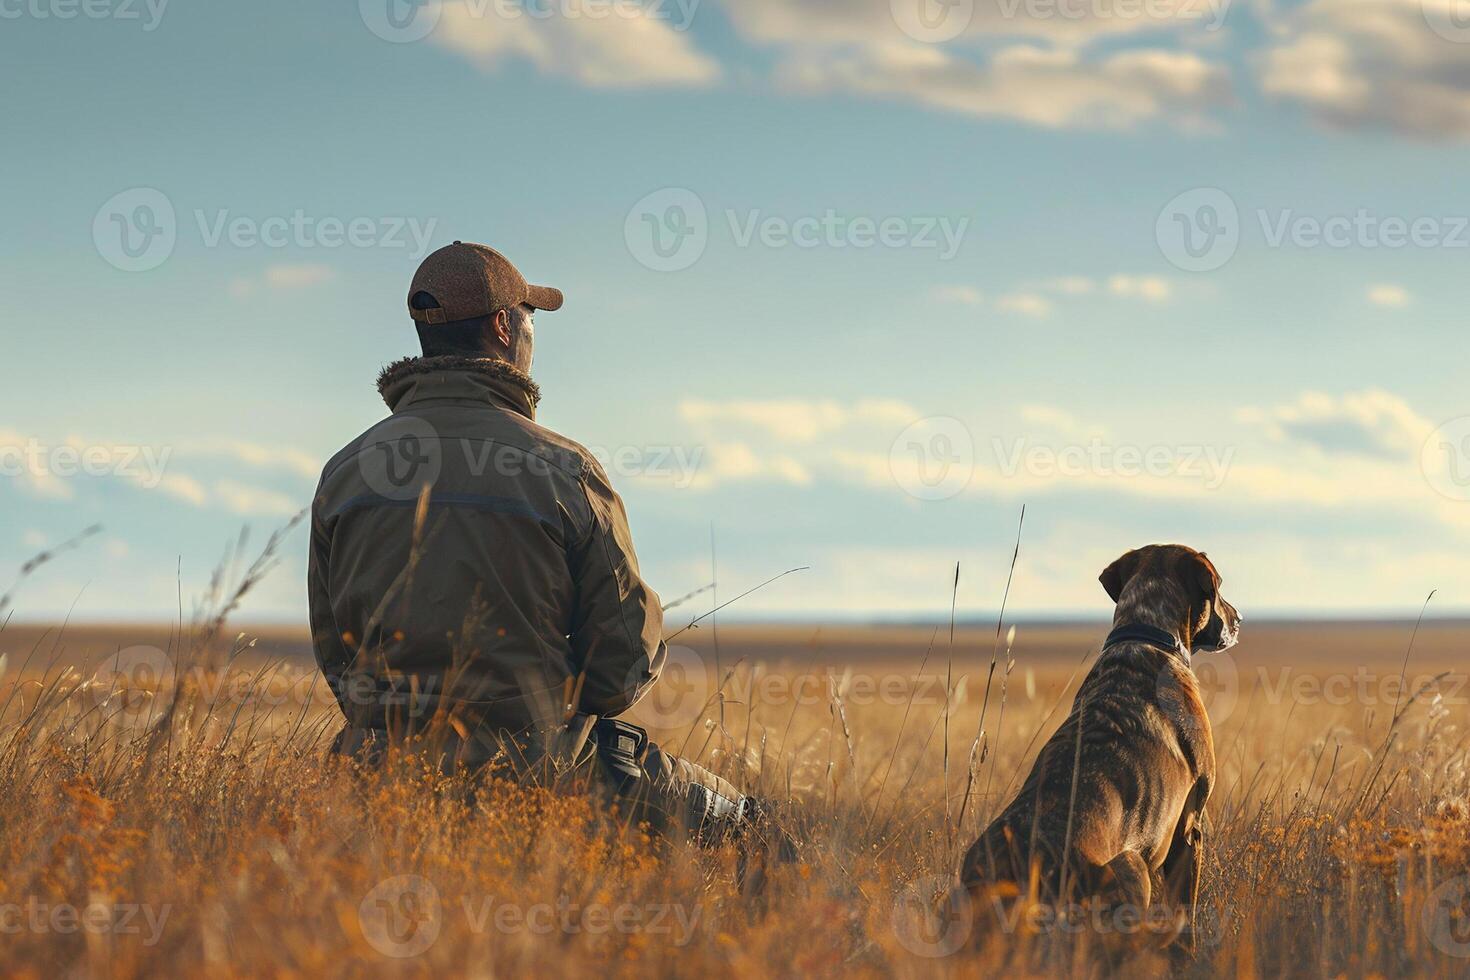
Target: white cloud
1054 88
296 276
1061 421
1026 304
255 455
33 539
1031 299
874 22
726 462
28 468
248 500
1375 63
281 277
1070 285
625 48
180 487
1387 294
966 295
1367 423
796 420
1150 288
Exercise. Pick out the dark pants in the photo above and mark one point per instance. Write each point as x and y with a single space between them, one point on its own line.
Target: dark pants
607 758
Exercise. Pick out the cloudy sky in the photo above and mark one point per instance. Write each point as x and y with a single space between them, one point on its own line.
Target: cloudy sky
849 283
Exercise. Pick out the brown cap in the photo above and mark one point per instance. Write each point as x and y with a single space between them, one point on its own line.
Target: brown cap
470 280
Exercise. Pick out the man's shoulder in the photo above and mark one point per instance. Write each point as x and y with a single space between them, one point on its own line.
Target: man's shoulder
408 434
573 457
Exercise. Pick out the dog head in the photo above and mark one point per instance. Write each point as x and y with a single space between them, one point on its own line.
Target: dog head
1168 576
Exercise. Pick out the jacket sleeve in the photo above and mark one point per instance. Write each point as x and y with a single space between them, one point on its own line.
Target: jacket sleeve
617 625
332 653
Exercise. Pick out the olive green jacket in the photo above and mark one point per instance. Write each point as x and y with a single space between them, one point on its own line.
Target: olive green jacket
466 559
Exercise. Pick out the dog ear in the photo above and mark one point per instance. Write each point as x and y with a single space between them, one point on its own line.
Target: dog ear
1208 579
1116 575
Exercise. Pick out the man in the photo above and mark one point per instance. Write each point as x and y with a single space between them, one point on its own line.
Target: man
473 586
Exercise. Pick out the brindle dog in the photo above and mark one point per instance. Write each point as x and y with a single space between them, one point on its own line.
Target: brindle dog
1117 795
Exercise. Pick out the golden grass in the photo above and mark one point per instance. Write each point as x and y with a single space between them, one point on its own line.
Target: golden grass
201 830
240 850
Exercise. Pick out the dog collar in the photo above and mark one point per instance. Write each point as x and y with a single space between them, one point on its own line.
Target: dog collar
1142 633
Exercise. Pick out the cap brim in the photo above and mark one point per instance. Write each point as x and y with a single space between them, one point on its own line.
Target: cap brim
544 297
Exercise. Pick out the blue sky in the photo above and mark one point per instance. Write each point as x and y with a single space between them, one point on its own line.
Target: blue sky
1156 270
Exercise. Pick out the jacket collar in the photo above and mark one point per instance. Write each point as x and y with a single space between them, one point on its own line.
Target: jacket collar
458 376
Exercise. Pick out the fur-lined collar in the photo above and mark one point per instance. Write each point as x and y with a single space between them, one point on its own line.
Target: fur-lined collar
507 374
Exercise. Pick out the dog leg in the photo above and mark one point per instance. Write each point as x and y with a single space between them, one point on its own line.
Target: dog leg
1181 870
1126 881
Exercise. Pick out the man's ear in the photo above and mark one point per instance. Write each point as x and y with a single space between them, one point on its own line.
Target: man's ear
1116 575
500 327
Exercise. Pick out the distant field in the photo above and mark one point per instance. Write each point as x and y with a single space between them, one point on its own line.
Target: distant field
1263 644
1339 842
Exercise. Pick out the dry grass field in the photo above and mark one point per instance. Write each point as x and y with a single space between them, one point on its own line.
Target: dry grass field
197 829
